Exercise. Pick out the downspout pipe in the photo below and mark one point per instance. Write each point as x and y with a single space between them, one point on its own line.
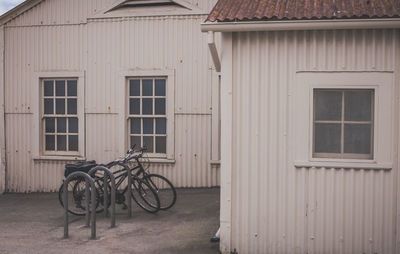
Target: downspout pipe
213 50
287 25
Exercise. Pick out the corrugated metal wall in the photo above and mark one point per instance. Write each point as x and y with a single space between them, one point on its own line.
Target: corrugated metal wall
47 38
277 208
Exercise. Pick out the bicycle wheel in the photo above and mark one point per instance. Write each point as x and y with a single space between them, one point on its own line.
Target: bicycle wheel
145 196
163 187
76 197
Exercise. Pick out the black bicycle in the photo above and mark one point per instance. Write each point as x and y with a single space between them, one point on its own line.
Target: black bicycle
151 192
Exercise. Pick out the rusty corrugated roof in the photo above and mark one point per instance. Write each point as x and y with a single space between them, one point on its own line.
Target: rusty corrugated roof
249 10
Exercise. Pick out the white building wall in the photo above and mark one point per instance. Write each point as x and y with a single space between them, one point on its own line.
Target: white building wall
276 207
44 40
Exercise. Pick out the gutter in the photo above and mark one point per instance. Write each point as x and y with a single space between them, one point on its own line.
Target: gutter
213 50
287 25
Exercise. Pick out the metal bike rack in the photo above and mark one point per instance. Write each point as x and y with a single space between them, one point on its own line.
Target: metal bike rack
88 181
107 173
128 170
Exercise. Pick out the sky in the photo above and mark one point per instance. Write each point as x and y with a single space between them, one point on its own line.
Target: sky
6 5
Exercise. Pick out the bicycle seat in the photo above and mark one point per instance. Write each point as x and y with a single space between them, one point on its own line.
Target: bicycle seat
82 166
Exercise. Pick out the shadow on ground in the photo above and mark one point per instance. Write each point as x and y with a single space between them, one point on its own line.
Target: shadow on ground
33 223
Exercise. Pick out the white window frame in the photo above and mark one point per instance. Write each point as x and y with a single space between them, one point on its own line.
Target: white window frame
37 108
302 129
124 141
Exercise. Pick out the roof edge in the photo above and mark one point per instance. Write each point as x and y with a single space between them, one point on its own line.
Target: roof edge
287 25
18 10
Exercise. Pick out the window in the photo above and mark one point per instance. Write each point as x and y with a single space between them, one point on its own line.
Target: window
342 119
59 118
343 123
147 113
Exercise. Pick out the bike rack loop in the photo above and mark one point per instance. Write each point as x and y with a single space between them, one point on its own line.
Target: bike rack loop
128 170
107 173
88 180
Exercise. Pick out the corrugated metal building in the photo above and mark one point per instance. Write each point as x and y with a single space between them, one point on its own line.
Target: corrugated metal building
83 79
310 118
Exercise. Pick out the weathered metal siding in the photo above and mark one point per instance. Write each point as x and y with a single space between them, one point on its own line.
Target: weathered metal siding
102 49
277 208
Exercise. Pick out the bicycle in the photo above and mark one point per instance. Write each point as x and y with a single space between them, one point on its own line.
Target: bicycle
144 186
142 192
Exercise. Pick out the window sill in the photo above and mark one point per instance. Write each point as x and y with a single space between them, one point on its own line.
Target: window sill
58 158
344 165
162 160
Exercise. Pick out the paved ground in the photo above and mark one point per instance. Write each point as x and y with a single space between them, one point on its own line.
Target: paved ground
33 223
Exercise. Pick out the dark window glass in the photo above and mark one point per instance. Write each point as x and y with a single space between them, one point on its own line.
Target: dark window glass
61 142
357 138
60 87
72 88
148 126
50 125
60 106
134 106
148 142
327 138
73 142
147 87
147 105
358 105
50 143
160 107
328 105
73 125
161 126
160 87
48 106
134 87
135 140
72 107
161 144
135 126
48 88
61 125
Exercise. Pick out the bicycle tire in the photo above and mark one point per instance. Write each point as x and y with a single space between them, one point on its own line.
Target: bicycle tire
145 196
77 198
164 188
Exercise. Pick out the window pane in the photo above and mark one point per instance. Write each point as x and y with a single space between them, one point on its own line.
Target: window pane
148 126
72 108
73 143
161 126
327 138
48 106
135 140
148 142
50 143
147 106
147 87
73 125
61 125
72 88
357 105
135 126
357 138
60 87
161 144
134 87
50 125
134 106
61 142
48 88
60 106
328 105
160 87
160 107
